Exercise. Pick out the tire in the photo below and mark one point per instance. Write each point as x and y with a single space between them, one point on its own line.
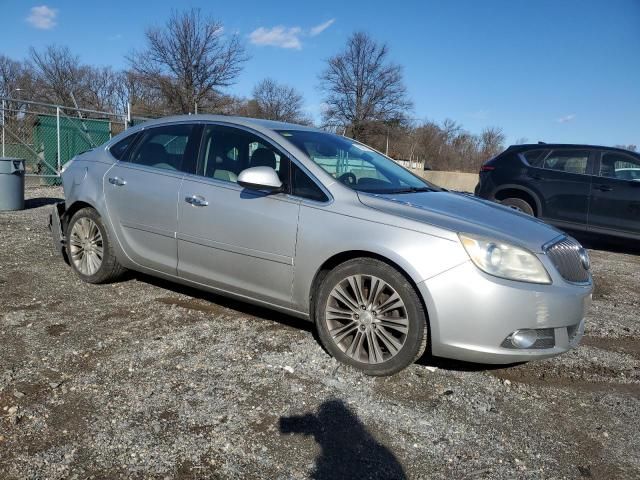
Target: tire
518 204
93 261
341 324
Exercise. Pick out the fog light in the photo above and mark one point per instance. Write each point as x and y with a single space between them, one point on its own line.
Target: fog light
524 338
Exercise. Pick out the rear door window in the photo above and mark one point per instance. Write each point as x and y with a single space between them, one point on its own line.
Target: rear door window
568 161
170 147
620 166
535 158
120 149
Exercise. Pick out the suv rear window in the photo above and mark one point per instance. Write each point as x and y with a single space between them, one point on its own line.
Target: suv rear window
535 157
570 161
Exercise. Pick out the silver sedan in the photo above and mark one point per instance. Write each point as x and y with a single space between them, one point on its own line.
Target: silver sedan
326 229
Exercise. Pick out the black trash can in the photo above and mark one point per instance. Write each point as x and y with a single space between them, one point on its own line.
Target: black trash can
11 184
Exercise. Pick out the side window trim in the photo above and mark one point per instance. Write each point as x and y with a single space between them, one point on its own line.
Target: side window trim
125 154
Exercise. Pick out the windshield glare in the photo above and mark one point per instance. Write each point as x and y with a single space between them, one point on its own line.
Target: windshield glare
354 164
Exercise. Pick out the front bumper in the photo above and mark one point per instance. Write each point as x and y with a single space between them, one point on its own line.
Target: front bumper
472 313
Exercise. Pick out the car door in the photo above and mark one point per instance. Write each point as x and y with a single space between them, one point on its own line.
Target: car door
233 238
615 194
141 193
563 182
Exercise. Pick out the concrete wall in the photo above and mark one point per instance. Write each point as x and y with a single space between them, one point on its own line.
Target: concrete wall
463 182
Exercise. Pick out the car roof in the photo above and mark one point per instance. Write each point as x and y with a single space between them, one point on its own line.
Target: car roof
545 146
257 123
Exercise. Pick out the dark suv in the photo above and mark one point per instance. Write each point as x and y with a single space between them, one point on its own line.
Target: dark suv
574 187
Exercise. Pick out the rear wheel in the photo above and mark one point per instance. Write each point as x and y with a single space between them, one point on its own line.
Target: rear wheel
89 248
369 316
518 204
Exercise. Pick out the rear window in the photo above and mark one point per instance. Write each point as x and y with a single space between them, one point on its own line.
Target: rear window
535 157
119 149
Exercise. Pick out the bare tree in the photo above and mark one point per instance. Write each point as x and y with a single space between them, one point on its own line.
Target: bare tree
275 101
492 141
188 60
59 75
15 76
362 86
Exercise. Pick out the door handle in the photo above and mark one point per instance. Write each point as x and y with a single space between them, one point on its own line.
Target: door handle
604 188
196 201
117 181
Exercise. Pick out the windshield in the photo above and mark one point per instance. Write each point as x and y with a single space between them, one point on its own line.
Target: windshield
356 165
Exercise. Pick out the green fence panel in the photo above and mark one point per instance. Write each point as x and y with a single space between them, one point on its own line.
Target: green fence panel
76 136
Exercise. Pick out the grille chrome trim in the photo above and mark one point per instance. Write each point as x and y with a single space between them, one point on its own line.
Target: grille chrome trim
567 255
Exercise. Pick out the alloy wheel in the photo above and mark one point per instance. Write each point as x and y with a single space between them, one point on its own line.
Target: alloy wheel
367 319
86 246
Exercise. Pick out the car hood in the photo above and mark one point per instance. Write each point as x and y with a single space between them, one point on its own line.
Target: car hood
459 212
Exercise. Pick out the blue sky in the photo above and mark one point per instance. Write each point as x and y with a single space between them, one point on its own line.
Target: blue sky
551 70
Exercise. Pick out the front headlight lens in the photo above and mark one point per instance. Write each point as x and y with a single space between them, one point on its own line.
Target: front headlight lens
504 260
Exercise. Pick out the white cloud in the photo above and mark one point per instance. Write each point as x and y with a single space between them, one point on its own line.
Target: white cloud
318 29
286 37
277 37
43 17
566 118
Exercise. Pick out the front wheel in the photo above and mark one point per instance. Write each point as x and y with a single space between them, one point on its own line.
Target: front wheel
89 248
370 317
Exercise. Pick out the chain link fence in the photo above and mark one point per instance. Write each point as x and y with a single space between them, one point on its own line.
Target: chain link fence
48 136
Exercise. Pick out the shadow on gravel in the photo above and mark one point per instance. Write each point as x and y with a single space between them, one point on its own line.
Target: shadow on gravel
40 202
348 449
218 301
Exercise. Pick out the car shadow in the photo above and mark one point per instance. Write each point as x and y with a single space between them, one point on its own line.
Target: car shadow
226 302
40 202
427 360
348 449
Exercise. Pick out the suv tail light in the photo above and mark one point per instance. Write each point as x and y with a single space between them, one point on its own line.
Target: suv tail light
487 168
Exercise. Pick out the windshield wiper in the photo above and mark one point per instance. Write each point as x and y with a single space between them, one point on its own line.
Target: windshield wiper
410 190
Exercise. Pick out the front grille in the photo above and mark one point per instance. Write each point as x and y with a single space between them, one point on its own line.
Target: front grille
567 256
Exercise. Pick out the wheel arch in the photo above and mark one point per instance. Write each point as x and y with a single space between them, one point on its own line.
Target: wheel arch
518 191
338 258
73 208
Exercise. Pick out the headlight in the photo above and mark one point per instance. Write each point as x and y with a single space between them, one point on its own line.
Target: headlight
504 260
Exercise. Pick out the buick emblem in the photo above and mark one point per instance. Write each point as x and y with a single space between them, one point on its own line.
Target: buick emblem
584 258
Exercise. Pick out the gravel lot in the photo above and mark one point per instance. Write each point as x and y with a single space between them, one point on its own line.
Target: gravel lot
147 379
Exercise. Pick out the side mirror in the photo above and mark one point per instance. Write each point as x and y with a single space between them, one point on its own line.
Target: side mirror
260 178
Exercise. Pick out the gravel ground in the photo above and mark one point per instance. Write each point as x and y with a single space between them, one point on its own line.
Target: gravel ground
147 379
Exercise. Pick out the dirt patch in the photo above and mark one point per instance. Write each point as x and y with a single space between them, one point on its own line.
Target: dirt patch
57 329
